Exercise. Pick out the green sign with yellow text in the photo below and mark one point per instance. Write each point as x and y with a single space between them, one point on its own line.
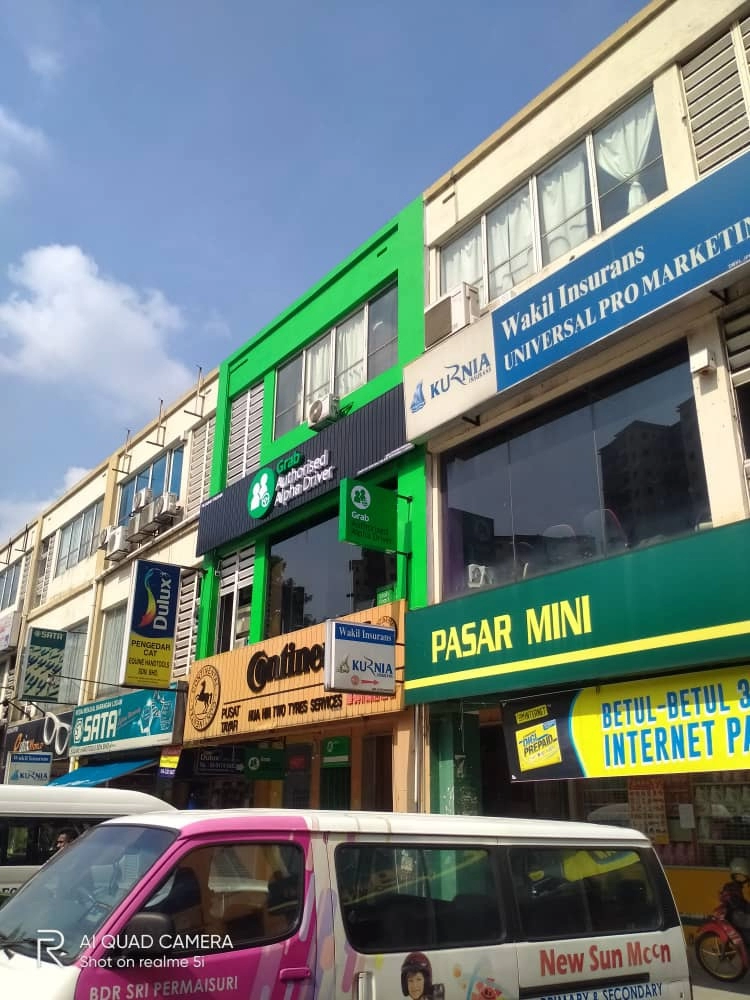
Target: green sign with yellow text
368 516
674 605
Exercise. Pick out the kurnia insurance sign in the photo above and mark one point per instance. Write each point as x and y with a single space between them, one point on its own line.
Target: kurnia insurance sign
278 683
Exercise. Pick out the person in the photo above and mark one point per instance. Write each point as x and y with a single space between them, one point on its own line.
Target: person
416 976
64 837
733 897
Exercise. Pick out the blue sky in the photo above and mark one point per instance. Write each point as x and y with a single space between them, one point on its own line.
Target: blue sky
174 174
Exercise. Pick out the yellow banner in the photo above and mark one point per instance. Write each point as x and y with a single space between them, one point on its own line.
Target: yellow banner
664 725
148 662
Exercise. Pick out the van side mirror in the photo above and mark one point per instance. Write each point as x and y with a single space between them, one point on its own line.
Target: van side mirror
145 934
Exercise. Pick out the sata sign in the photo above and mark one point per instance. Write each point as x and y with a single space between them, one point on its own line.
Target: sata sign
137 719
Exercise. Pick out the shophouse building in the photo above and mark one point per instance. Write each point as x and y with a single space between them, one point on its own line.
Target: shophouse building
584 397
310 426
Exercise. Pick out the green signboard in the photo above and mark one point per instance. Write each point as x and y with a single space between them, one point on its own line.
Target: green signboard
264 763
673 605
368 516
336 751
261 493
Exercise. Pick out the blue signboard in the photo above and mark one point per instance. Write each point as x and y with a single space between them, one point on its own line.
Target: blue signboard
129 721
152 618
675 249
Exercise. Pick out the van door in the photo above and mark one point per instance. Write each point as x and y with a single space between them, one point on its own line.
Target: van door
240 920
421 922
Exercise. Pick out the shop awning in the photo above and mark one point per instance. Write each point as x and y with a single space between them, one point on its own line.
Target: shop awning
97 774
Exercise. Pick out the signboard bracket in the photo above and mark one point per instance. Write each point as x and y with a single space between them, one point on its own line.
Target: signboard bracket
474 421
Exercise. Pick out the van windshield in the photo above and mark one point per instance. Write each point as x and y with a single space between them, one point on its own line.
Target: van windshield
71 896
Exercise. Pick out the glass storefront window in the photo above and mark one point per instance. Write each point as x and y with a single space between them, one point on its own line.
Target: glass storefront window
614 467
313 576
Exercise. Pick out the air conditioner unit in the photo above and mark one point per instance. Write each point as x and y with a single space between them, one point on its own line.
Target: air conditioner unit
322 411
104 536
166 508
479 576
451 313
118 544
141 499
136 526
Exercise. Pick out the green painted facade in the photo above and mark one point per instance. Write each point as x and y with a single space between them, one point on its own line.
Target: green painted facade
395 253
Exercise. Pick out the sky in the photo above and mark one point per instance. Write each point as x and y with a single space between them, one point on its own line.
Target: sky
175 174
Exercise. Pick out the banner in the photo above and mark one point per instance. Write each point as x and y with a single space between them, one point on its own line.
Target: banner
360 657
151 618
684 723
130 721
44 660
368 516
28 769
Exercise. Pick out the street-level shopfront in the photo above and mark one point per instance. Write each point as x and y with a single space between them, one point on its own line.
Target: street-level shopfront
116 741
593 625
45 739
266 730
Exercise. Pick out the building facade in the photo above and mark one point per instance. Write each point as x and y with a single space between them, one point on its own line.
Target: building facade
311 403
583 397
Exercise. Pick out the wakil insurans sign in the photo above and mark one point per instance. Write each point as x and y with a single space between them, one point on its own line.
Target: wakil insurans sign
360 657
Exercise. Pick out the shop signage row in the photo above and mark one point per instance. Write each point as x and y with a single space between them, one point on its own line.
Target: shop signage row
366 437
664 725
126 722
672 251
280 682
48 734
632 614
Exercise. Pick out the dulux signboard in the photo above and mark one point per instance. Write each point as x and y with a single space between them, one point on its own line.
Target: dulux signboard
674 250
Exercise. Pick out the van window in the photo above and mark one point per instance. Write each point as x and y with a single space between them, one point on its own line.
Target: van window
412 898
583 890
32 841
249 894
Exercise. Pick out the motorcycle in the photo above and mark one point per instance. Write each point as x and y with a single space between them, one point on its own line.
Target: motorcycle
719 947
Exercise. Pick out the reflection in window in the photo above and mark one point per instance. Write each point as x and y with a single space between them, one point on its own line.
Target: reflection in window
616 467
313 577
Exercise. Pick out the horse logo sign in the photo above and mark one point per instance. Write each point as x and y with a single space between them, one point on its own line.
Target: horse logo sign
204 696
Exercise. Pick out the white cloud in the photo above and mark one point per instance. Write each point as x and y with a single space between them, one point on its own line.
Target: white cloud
16 513
18 144
67 323
45 63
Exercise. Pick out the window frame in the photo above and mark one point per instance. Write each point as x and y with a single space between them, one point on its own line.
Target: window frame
531 184
143 478
69 555
302 404
10 577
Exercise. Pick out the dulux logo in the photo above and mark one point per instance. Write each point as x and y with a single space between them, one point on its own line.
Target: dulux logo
157 608
460 374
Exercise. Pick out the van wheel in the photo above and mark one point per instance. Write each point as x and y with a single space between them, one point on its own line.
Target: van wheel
719 958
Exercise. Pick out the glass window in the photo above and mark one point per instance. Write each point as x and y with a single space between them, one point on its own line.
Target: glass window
742 392
289 396
617 466
299 594
585 890
565 204
461 260
9 585
78 539
143 479
127 493
382 334
317 371
251 893
629 165
159 475
510 243
410 899
350 354
175 474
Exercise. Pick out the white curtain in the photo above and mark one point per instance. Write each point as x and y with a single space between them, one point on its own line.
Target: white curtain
317 370
72 668
621 147
110 661
461 260
350 354
510 239
563 197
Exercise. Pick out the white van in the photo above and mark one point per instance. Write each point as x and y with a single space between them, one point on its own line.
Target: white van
31 817
287 905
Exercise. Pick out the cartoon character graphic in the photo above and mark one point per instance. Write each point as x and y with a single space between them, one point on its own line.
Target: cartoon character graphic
486 989
416 977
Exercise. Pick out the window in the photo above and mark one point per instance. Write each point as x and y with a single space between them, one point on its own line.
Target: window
355 351
585 890
614 171
9 578
43 571
301 594
186 627
79 538
72 666
410 899
245 426
615 467
163 475
235 599
113 643
251 893
199 474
